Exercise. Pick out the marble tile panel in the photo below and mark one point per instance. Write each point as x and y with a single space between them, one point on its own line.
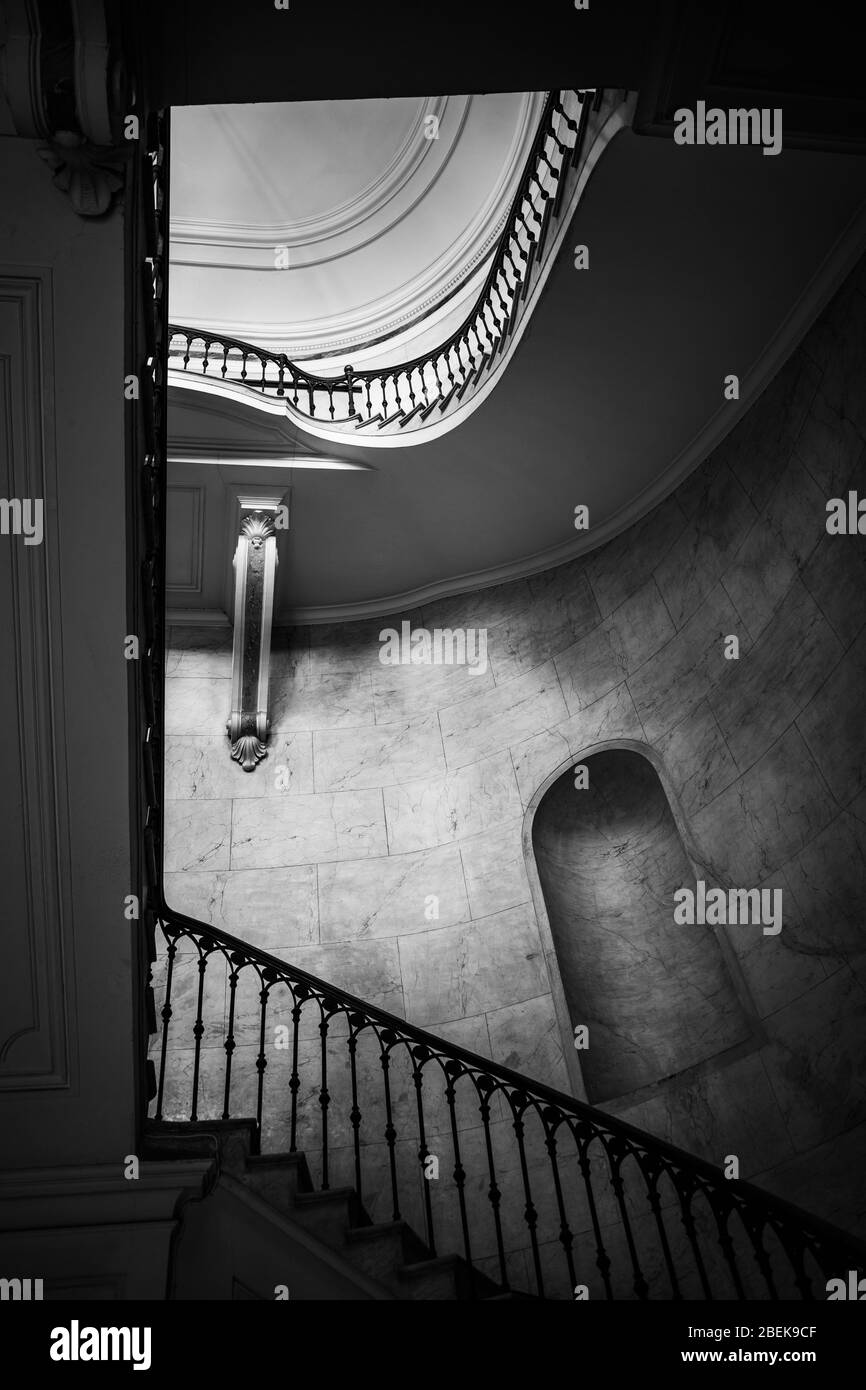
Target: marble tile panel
627 639
837 342
836 578
279 832
826 897
197 705
274 909
197 835
677 678
510 713
459 971
290 654
760 695
407 692
729 1110
390 897
499 603
179 1074
698 759
832 724
776 970
200 767
760 821
199 651
348 759
826 1181
704 550
625 564
814 1060
562 609
831 446
776 548
420 815
322 699
495 869
692 491
353 646
525 1037
370 970
763 440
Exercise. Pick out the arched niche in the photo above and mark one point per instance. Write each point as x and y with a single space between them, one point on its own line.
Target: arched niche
659 1000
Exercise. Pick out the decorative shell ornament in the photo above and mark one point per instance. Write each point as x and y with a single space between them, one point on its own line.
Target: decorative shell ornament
89 174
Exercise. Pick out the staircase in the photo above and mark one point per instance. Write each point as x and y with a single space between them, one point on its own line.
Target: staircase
400 1152
330 1229
394 404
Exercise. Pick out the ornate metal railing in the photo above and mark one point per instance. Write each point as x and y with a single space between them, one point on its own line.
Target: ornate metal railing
533 1187
438 379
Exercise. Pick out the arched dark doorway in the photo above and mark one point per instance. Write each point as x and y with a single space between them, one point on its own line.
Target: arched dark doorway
657 997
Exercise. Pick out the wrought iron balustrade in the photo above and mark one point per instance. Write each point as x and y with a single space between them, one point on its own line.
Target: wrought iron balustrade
534 1188
438 379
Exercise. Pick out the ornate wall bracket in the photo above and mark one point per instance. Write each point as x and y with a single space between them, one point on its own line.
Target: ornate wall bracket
65 84
255 567
90 174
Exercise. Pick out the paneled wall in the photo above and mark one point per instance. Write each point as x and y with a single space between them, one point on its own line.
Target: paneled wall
409 791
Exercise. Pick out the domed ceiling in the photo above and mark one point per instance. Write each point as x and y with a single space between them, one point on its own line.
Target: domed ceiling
315 227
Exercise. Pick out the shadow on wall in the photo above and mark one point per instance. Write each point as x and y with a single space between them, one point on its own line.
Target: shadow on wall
656 997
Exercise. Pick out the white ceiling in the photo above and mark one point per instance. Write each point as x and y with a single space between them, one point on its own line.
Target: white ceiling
378 222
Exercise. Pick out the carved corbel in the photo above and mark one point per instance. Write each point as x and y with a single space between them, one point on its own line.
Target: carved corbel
255 567
66 85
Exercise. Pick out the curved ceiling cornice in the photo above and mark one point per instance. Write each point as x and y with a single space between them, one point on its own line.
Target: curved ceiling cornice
219 262
335 231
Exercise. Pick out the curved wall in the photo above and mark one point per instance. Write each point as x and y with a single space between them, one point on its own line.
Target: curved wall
408 783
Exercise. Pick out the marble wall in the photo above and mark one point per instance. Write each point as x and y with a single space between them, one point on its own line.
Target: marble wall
411 783
654 998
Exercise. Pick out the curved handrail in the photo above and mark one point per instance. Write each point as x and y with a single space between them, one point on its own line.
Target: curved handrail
557 1118
441 375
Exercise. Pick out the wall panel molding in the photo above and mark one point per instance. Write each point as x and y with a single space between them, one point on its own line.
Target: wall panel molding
35 1000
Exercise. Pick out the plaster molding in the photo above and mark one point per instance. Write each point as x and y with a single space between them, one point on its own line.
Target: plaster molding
427 291
312 233
37 1038
615 115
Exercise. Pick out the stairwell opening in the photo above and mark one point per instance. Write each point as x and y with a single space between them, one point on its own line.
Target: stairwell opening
658 999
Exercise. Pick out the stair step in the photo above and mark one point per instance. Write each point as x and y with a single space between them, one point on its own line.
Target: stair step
389 419
414 411
465 386
331 1215
233 1142
426 1276
395 1257
443 404
371 420
390 1254
436 1279
279 1178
